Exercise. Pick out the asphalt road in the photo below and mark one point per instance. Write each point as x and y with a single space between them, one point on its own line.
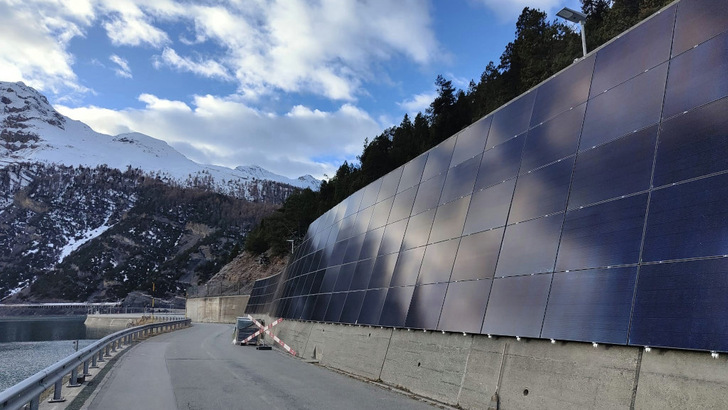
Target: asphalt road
199 368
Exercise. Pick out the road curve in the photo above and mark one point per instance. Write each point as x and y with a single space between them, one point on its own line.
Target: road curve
199 368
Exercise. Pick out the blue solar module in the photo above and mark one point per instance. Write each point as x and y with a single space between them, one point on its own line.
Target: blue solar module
697 76
464 306
396 306
615 169
682 305
489 207
590 305
424 310
516 305
471 141
693 144
511 120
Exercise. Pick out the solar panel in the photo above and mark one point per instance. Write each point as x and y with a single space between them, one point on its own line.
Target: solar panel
591 208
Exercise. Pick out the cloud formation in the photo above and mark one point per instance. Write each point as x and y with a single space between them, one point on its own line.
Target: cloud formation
34 45
122 69
418 103
327 48
207 68
227 132
276 49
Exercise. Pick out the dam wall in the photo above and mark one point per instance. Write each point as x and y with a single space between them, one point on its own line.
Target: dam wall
216 309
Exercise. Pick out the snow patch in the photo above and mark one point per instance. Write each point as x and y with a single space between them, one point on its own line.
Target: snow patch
77 243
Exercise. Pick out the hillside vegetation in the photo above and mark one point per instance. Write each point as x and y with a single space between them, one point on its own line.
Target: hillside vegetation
76 234
539 50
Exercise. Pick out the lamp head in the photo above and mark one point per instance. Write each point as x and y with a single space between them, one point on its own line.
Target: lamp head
572 15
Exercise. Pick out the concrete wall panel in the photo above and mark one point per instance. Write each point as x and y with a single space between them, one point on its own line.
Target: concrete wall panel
231 307
672 379
357 350
431 364
539 374
481 376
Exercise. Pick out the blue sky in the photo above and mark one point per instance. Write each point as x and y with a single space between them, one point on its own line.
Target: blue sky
294 86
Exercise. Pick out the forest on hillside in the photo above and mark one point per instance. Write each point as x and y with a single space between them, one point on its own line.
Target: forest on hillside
540 49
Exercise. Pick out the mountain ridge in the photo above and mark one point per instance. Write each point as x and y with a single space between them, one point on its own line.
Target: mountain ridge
33 131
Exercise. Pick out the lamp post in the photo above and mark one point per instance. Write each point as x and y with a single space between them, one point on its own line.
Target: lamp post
291 241
575 17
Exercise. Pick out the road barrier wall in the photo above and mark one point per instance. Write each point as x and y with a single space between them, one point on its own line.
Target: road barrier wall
467 370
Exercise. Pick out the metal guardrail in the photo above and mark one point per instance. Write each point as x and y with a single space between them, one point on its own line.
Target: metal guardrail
29 390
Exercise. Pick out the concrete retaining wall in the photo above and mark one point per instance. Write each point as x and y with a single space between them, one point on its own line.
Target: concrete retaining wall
467 370
218 309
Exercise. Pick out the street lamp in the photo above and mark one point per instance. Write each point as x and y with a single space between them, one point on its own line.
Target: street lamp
291 241
575 17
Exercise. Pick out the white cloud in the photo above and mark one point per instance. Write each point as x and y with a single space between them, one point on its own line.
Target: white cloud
123 69
328 47
128 32
226 132
129 24
34 45
207 68
418 103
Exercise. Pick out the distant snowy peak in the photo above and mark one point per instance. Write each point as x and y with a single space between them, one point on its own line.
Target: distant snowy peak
26 104
257 172
24 113
31 130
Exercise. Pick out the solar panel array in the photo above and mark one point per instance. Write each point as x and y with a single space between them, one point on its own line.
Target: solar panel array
262 296
592 208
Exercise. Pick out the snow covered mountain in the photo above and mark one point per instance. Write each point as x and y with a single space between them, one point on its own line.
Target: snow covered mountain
89 216
32 131
256 172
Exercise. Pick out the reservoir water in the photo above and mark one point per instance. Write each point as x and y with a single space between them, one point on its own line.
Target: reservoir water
30 344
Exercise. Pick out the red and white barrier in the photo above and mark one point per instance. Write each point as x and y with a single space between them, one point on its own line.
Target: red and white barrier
266 330
256 334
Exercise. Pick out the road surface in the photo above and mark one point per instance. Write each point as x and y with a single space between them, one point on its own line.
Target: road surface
199 368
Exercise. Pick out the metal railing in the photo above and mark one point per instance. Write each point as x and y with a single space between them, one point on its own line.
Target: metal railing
29 390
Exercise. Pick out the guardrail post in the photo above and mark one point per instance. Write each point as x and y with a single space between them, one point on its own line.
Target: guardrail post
113 346
101 355
85 368
74 378
93 361
57 390
35 403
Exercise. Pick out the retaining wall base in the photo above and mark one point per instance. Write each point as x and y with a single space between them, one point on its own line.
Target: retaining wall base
469 370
